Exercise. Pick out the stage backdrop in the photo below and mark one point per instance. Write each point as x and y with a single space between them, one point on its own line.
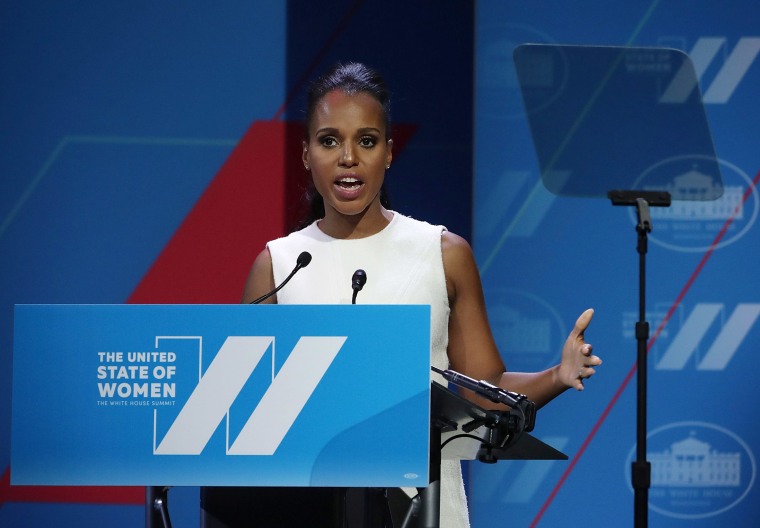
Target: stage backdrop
148 150
546 258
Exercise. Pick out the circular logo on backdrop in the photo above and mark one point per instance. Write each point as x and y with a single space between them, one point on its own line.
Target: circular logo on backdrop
693 221
698 469
528 330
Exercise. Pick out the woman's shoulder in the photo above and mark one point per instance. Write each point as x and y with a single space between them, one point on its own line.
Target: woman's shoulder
260 278
306 231
458 263
455 249
454 245
411 226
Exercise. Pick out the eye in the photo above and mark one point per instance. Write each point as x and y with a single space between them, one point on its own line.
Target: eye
368 141
328 141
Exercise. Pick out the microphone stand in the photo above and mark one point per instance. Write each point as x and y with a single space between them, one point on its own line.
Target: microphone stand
303 260
518 402
641 469
157 507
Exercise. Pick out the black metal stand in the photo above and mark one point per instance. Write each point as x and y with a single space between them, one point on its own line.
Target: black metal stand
430 516
641 469
157 507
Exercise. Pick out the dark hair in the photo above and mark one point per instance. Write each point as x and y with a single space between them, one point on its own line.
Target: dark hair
351 78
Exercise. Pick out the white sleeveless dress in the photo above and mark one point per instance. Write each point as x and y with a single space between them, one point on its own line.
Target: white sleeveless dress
404 265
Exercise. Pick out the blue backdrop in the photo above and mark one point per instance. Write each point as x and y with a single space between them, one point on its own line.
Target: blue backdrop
118 118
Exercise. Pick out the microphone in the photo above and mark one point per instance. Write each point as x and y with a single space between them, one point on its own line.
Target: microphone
516 401
357 283
301 262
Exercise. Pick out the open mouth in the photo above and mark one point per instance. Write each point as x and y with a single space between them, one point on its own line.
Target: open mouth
349 183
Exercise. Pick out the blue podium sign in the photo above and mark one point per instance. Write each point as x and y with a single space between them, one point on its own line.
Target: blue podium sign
214 395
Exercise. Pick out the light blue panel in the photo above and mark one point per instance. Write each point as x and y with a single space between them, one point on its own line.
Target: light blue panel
94 380
545 258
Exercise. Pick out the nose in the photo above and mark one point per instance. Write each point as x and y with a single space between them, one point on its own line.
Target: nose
347 158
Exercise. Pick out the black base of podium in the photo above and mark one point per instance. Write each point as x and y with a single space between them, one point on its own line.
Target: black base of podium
275 507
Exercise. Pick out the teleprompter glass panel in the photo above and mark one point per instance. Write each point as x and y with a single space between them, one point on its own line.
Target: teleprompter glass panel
605 118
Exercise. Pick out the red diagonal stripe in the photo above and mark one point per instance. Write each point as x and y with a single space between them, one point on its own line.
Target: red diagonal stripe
658 331
208 258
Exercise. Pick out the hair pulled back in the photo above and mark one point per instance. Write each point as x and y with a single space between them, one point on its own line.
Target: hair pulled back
351 78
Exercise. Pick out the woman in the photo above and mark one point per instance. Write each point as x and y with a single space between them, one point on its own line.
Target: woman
348 148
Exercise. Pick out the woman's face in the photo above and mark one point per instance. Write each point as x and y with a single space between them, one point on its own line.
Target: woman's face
347 152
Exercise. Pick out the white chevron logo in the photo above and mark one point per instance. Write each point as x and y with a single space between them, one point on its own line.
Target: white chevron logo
686 343
727 79
225 377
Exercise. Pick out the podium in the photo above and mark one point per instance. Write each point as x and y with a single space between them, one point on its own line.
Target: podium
323 397
221 395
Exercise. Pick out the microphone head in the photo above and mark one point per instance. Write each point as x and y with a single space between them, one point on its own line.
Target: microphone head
303 259
359 279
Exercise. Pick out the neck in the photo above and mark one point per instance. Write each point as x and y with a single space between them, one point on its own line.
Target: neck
367 223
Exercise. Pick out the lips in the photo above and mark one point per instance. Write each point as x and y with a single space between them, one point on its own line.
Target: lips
349 182
348 187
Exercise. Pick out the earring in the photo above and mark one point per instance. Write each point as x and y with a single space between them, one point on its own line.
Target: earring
388 166
306 166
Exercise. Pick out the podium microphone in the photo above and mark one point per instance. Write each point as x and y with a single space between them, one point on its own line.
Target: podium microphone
301 262
357 283
518 402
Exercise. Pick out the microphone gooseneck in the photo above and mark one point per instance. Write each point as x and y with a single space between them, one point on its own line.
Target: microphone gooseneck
301 262
358 281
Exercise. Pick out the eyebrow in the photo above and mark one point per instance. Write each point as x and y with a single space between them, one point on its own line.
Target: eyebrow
331 130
